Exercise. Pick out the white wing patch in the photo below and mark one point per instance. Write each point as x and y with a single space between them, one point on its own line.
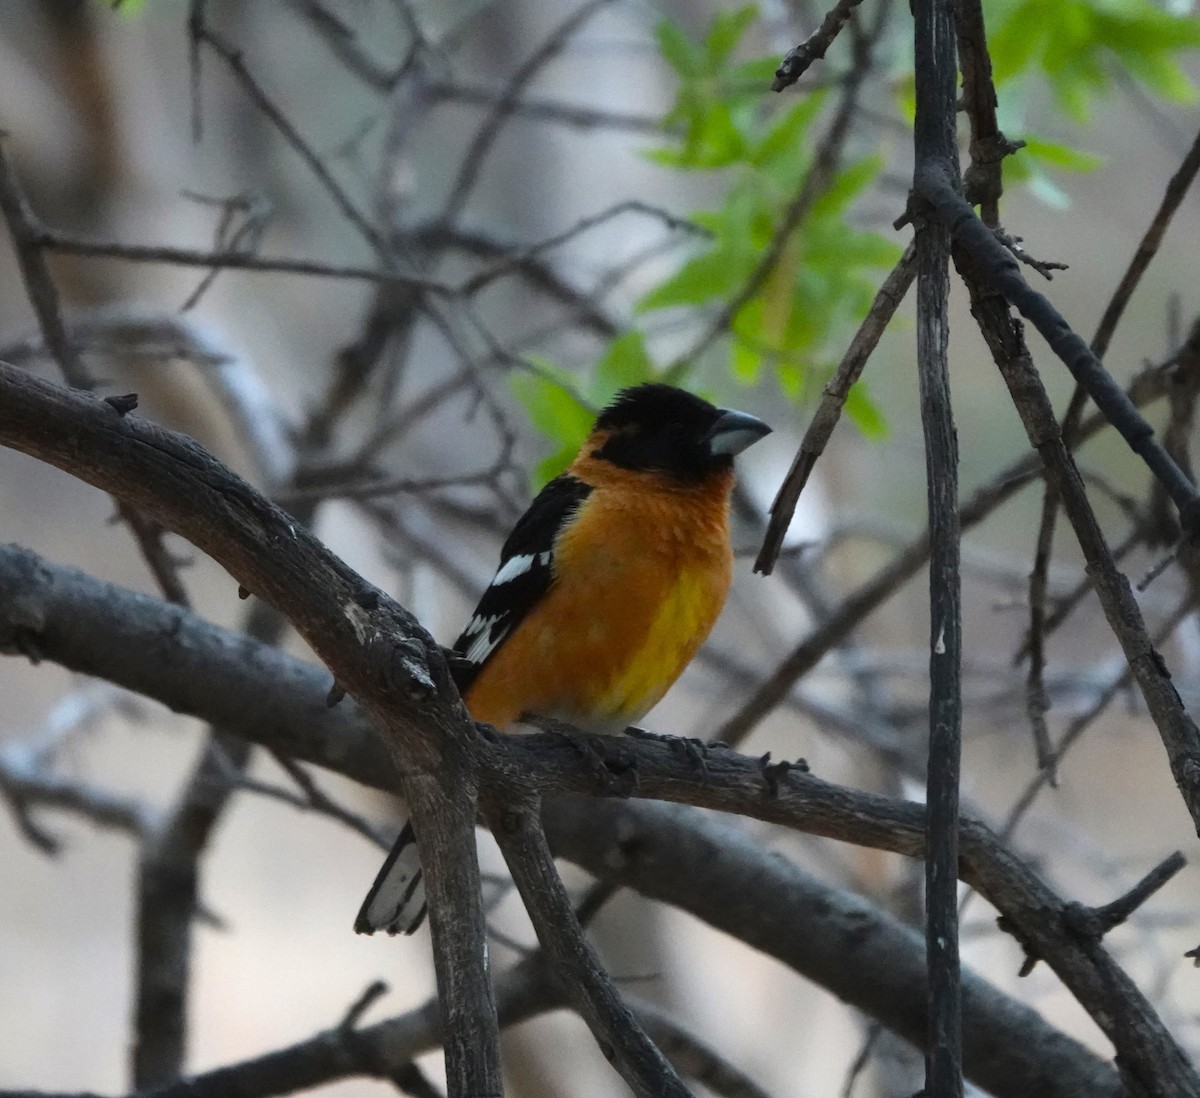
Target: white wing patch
482 642
482 632
518 566
525 572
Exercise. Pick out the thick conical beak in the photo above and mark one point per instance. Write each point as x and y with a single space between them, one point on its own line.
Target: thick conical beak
734 432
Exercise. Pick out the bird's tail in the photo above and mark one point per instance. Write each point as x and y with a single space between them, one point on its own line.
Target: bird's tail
396 902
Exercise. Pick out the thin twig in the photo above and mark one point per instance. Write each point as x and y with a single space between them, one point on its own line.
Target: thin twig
518 830
43 295
798 60
1005 340
826 159
549 110
233 57
865 599
233 260
996 266
492 125
1114 688
1147 249
833 399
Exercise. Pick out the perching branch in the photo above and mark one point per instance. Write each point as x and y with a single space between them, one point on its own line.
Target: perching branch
278 701
370 644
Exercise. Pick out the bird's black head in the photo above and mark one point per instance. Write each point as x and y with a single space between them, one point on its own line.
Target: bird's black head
667 430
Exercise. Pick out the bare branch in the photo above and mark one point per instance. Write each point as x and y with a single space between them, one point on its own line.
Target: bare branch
799 59
833 399
232 56
280 702
370 644
936 74
997 267
518 830
235 261
492 125
547 110
43 295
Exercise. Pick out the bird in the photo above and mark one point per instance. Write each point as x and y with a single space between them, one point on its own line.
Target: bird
606 588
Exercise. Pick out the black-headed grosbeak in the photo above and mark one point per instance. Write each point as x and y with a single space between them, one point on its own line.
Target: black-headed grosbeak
607 587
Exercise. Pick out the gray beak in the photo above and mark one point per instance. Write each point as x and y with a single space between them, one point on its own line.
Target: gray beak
734 432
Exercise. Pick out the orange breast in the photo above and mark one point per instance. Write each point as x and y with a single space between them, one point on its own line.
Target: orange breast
639 579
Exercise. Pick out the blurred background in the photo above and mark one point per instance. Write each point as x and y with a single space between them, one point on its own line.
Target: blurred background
553 155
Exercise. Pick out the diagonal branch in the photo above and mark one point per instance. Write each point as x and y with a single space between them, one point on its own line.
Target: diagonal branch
833 399
864 600
1178 731
370 644
43 294
518 829
389 663
999 270
709 868
799 59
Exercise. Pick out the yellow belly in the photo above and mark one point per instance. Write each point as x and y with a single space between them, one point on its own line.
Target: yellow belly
685 616
636 591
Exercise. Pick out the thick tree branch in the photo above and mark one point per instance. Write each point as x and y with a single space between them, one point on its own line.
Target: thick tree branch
191 666
279 701
372 645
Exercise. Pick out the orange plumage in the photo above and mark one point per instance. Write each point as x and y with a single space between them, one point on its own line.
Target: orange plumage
607 587
640 574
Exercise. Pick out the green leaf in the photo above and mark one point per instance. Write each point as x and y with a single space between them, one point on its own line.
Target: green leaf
866 415
846 186
624 363
782 151
726 32
1079 44
1057 155
1015 41
677 50
557 411
699 280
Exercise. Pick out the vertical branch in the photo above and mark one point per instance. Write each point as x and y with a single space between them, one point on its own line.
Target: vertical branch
442 804
168 883
935 146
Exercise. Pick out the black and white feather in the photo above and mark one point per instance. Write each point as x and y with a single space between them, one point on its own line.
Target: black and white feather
396 902
525 573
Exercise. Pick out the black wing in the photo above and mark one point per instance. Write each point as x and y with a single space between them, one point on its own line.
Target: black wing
524 574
